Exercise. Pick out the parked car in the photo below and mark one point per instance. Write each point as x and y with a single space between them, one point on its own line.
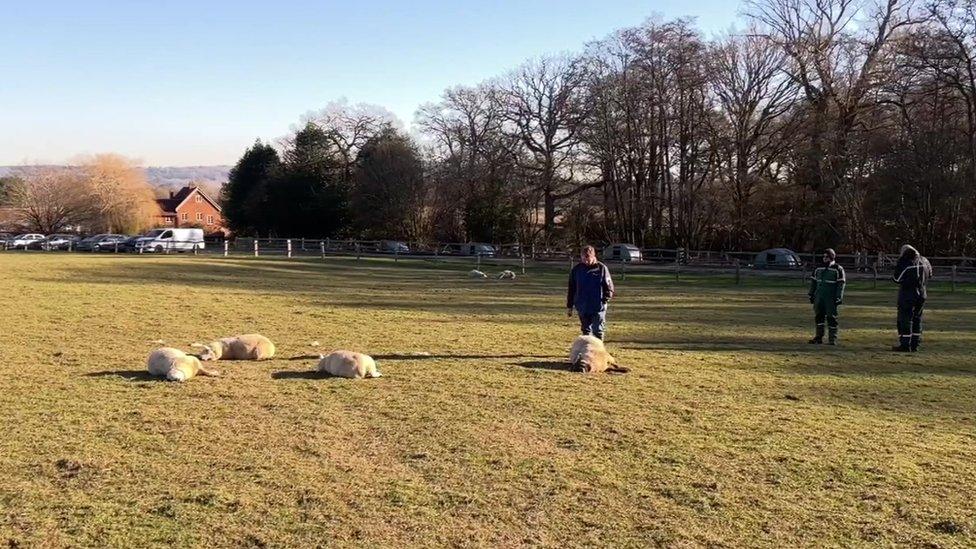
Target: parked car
622 252
777 258
477 248
129 244
85 244
24 240
110 243
394 247
57 242
170 240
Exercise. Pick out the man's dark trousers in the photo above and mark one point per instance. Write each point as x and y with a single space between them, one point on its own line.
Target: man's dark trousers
594 324
910 325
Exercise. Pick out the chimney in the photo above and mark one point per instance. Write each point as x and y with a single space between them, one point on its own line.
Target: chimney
171 195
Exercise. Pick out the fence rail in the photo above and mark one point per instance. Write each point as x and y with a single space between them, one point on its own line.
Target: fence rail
680 262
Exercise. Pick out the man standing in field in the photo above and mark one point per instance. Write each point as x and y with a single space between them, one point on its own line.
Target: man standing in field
912 274
826 294
590 288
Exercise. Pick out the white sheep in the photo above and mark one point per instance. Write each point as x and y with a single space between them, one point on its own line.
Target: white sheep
506 275
475 273
588 354
243 347
348 364
175 365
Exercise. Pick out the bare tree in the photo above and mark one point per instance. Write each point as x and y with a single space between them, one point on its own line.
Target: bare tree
50 200
544 109
348 127
121 197
756 129
835 48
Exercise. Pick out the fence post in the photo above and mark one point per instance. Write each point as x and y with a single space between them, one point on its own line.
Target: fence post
195 249
523 263
69 246
322 248
677 267
358 252
953 278
874 284
288 245
478 261
738 273
255 247
303 243
226 247
116 246
623 269
396 253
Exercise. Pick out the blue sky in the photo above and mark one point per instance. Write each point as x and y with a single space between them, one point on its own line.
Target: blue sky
195 82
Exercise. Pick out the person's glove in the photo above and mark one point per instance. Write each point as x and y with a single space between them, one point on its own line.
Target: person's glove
840 301
811 300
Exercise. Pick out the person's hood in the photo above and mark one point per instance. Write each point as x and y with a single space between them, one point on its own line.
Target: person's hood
909 248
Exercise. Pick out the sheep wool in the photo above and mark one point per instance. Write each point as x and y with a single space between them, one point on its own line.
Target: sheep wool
475 273
348 364
588 354
175 365
243 347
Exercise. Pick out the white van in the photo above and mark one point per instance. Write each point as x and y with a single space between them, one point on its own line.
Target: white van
170 240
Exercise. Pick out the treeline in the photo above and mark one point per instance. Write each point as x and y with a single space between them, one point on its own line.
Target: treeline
107 193
838 123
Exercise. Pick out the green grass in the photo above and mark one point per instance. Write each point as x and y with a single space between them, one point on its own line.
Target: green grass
729 430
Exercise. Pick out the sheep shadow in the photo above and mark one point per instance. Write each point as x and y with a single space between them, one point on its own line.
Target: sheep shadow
301 374
551 365
128 375
400 356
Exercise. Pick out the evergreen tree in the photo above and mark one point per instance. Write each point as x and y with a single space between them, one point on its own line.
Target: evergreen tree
309 198
388 191
244 197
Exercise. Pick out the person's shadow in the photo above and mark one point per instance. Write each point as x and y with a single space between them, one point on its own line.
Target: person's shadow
128 375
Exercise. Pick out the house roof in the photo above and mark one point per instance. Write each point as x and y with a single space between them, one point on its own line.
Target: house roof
172 204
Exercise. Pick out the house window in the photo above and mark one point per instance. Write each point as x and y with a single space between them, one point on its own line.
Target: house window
209 220
198 198
184 216
199 216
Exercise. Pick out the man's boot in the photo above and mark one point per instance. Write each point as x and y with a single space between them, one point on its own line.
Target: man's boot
915 342
832 338
903 345
818 339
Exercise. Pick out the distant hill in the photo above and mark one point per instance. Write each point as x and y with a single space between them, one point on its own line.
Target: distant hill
166 179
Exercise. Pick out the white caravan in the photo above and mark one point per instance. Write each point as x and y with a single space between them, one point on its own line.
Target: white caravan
170 240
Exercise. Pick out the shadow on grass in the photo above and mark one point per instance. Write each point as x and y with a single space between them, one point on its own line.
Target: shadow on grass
552 365
302 374
396 356
128 375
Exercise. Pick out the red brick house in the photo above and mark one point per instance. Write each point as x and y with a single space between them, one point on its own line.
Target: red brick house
191 207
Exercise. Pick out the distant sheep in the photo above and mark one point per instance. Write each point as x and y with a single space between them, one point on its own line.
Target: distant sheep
175 365
348 364
475 273
244 347
506 275
589 355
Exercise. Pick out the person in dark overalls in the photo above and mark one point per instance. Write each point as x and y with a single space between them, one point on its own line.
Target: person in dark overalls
590 288
912 274
826 294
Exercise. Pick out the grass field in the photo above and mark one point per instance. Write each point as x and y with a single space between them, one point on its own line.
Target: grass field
729 431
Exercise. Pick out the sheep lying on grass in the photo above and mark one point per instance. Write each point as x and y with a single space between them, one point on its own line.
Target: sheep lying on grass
244 347
588 354
475 273
506 275
175 365
348 364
